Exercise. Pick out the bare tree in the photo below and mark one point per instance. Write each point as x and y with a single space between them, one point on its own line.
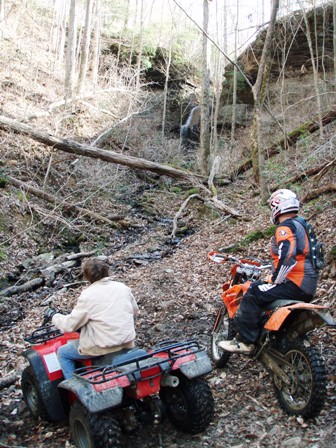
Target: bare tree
127 11
165 92
96 42
315 68
234 87
219 69
58 33
71 52
334 41
205 99
85 46
2 19
258 91
138 75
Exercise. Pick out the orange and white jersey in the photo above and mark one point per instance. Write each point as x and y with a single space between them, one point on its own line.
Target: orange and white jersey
291 258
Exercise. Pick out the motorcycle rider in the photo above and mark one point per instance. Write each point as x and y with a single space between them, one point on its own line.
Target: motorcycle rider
104 313
293 275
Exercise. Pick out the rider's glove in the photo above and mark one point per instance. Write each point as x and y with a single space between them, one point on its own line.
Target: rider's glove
48 314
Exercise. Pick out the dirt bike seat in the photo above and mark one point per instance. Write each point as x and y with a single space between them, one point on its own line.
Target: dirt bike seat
119 357
278 303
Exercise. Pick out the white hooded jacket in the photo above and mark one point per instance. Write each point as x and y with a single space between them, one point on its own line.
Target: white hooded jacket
104 314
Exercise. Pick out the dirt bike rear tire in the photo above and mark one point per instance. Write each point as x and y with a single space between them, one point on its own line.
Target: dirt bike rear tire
32 394
306 395
190 405
93 430
224 331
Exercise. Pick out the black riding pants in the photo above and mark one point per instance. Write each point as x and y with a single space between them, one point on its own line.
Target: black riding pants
248 316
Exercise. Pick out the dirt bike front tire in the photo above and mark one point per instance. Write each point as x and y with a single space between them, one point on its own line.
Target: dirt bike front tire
190 405
224 331
93 430
306 393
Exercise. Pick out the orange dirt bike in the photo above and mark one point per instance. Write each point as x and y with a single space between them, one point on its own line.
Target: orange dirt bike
283 347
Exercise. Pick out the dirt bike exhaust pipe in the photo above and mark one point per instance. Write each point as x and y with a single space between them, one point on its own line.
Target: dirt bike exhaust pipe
169 381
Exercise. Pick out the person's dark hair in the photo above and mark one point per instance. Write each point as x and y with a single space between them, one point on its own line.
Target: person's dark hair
95 269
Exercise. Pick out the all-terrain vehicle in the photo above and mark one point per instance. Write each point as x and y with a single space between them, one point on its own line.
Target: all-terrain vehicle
115 393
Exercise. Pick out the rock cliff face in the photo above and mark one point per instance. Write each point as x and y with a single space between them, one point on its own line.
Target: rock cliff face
290 54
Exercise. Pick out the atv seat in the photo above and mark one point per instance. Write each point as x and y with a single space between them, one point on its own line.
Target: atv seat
118 357
278 303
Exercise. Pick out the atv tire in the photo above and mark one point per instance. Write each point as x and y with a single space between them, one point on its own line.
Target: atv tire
190 405
224 331
31 393
306 394
93 430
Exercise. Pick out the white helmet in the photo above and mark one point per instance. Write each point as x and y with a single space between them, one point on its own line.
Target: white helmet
283 201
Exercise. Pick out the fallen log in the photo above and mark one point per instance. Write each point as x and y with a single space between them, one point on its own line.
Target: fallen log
17 289
315 170
73 147
329 188
8 380
80 255
307 128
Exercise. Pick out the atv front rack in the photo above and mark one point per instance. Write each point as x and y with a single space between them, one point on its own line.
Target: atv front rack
43 334
164 357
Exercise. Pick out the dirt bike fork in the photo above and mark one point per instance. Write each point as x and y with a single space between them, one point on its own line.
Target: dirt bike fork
219 315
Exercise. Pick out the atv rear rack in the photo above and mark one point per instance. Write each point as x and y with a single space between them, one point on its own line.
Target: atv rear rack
163 358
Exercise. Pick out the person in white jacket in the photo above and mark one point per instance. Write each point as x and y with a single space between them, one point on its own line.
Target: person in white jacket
104 314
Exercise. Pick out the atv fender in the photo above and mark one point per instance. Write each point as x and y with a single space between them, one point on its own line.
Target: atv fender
201 365
95 397
50 395
309 316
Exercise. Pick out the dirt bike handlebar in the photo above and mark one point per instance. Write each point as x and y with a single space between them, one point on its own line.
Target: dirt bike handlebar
218 257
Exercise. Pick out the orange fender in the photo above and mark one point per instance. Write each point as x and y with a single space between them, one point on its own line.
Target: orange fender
280 315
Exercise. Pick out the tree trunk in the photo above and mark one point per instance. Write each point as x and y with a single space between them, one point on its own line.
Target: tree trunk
138 74
315 69
127 12
205 103
334 41
2 19
234 87
85 46
258 96
71 52
73 147
165 92
96 43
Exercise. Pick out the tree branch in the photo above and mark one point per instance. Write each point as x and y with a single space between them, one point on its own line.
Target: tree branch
71 208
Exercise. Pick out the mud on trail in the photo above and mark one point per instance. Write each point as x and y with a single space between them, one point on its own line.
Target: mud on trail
178 296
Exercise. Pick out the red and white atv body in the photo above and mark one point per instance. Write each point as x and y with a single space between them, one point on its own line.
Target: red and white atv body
117 391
